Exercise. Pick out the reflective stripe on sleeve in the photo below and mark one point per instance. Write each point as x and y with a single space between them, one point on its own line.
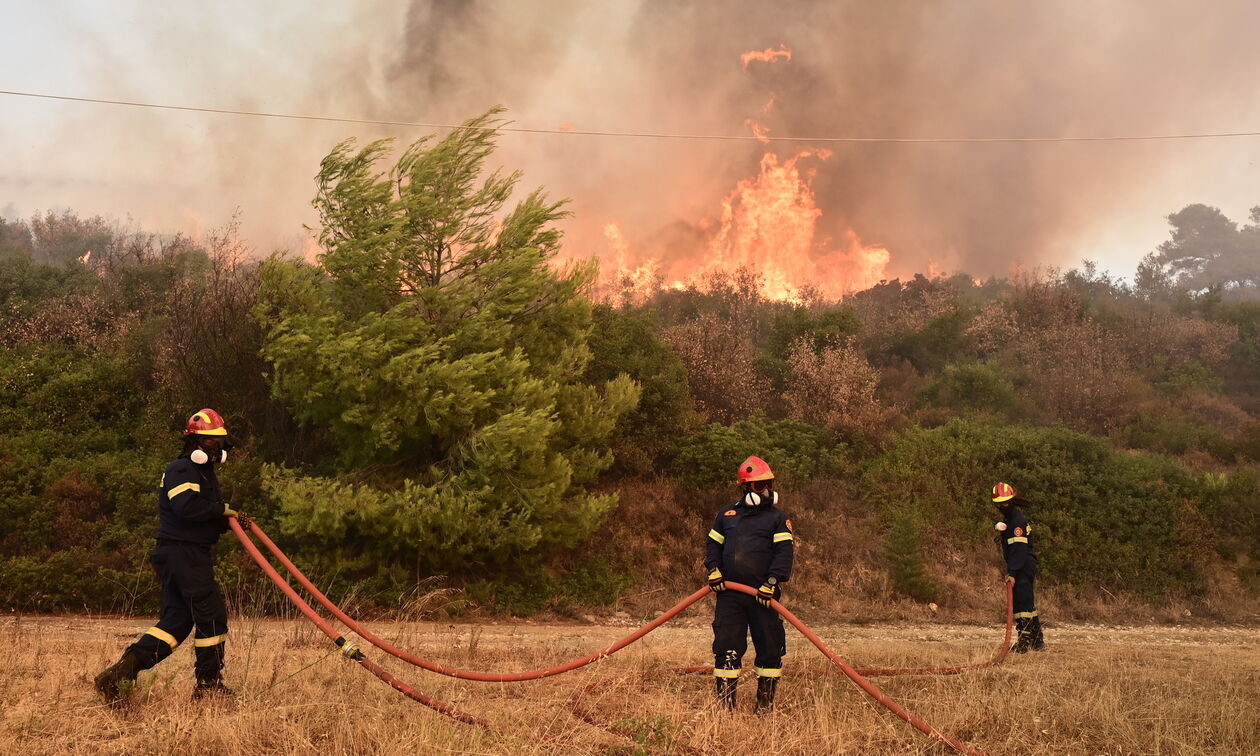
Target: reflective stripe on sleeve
163 636
729 674
1025 615
177 490
782 537
1016 539
717 536
207 642
768 671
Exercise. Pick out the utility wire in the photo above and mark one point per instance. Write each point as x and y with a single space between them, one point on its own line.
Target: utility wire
643 134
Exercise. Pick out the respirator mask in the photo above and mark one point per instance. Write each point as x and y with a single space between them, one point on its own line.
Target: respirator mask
757 498
216 451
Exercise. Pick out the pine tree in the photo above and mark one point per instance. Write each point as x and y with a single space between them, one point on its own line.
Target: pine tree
443 352
905 556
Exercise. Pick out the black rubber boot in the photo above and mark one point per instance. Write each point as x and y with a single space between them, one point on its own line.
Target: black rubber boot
1038 641
726 692
116 681
765 694
1023 643
212 688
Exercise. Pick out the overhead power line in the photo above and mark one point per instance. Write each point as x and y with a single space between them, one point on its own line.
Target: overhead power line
643 134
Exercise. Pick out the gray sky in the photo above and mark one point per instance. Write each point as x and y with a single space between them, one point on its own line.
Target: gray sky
899 68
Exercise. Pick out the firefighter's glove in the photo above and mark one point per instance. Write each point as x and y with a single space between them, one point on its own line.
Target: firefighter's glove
228 511
716 581
1010 580
768 591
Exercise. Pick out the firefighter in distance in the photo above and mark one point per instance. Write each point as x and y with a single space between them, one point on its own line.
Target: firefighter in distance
1014 536
750 543
193 514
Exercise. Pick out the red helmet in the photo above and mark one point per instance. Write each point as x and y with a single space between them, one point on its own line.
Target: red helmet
206 422
754 468
1003 492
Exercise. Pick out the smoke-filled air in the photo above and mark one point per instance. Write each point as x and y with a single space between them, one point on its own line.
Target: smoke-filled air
833 217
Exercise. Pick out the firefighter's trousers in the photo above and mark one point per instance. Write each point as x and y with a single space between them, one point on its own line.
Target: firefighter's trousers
737 615
1024 605
190 599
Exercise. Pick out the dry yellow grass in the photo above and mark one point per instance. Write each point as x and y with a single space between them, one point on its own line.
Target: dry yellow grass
1097 691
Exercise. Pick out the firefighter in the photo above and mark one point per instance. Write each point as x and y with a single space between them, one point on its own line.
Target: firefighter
750 543
193 514
1016 541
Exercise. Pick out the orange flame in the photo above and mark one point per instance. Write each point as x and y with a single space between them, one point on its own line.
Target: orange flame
770 223
759 131
769 55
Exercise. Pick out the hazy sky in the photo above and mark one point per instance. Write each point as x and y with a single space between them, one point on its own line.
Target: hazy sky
897 68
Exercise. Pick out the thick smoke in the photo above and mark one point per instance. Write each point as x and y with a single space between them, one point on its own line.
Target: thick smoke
903 68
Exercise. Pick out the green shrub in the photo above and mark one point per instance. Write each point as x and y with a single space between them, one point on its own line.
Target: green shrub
1101 516
796 452
904 552
976 386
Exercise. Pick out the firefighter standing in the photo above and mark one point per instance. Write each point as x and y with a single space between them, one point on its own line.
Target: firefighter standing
1016 540
193 515
750 543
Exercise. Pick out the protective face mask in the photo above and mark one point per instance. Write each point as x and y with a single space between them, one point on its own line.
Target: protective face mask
199 457
754 499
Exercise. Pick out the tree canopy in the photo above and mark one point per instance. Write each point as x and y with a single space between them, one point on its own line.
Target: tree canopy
444 353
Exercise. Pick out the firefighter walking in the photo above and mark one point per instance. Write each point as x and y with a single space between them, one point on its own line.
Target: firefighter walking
1016 541
193 514
750 543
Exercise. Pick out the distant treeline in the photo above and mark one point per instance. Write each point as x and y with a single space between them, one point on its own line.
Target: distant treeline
438 398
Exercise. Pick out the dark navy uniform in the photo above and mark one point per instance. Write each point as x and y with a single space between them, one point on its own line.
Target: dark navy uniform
1018 551
191 509
750 545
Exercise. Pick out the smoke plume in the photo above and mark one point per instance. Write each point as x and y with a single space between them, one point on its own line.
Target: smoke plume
902 68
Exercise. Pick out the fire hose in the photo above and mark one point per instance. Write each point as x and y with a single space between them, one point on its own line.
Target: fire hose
353 652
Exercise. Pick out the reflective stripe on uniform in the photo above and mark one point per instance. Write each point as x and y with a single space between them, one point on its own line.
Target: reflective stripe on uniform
1016 539
163 636
207 642
730 674
782 537
768 671
177 490
717 536
1025 615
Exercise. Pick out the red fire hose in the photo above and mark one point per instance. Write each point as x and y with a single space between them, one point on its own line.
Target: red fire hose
353 652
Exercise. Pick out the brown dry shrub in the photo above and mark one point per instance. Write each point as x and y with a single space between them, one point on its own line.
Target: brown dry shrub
1217 411
720 359
834 388
1077 373
84 320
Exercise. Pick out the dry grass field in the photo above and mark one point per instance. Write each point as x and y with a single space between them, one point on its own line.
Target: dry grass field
1098 690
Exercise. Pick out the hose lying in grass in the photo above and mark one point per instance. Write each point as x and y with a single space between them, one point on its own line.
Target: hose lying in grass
352 651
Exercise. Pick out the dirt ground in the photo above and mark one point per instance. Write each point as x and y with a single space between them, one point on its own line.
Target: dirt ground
1097 690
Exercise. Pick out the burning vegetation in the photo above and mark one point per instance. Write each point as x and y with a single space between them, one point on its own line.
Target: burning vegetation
768 223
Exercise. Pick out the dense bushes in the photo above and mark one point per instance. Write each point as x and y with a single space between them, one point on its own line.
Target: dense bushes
455 409
799 451
1103 517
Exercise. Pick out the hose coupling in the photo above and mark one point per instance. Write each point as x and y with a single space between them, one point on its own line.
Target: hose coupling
349 650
